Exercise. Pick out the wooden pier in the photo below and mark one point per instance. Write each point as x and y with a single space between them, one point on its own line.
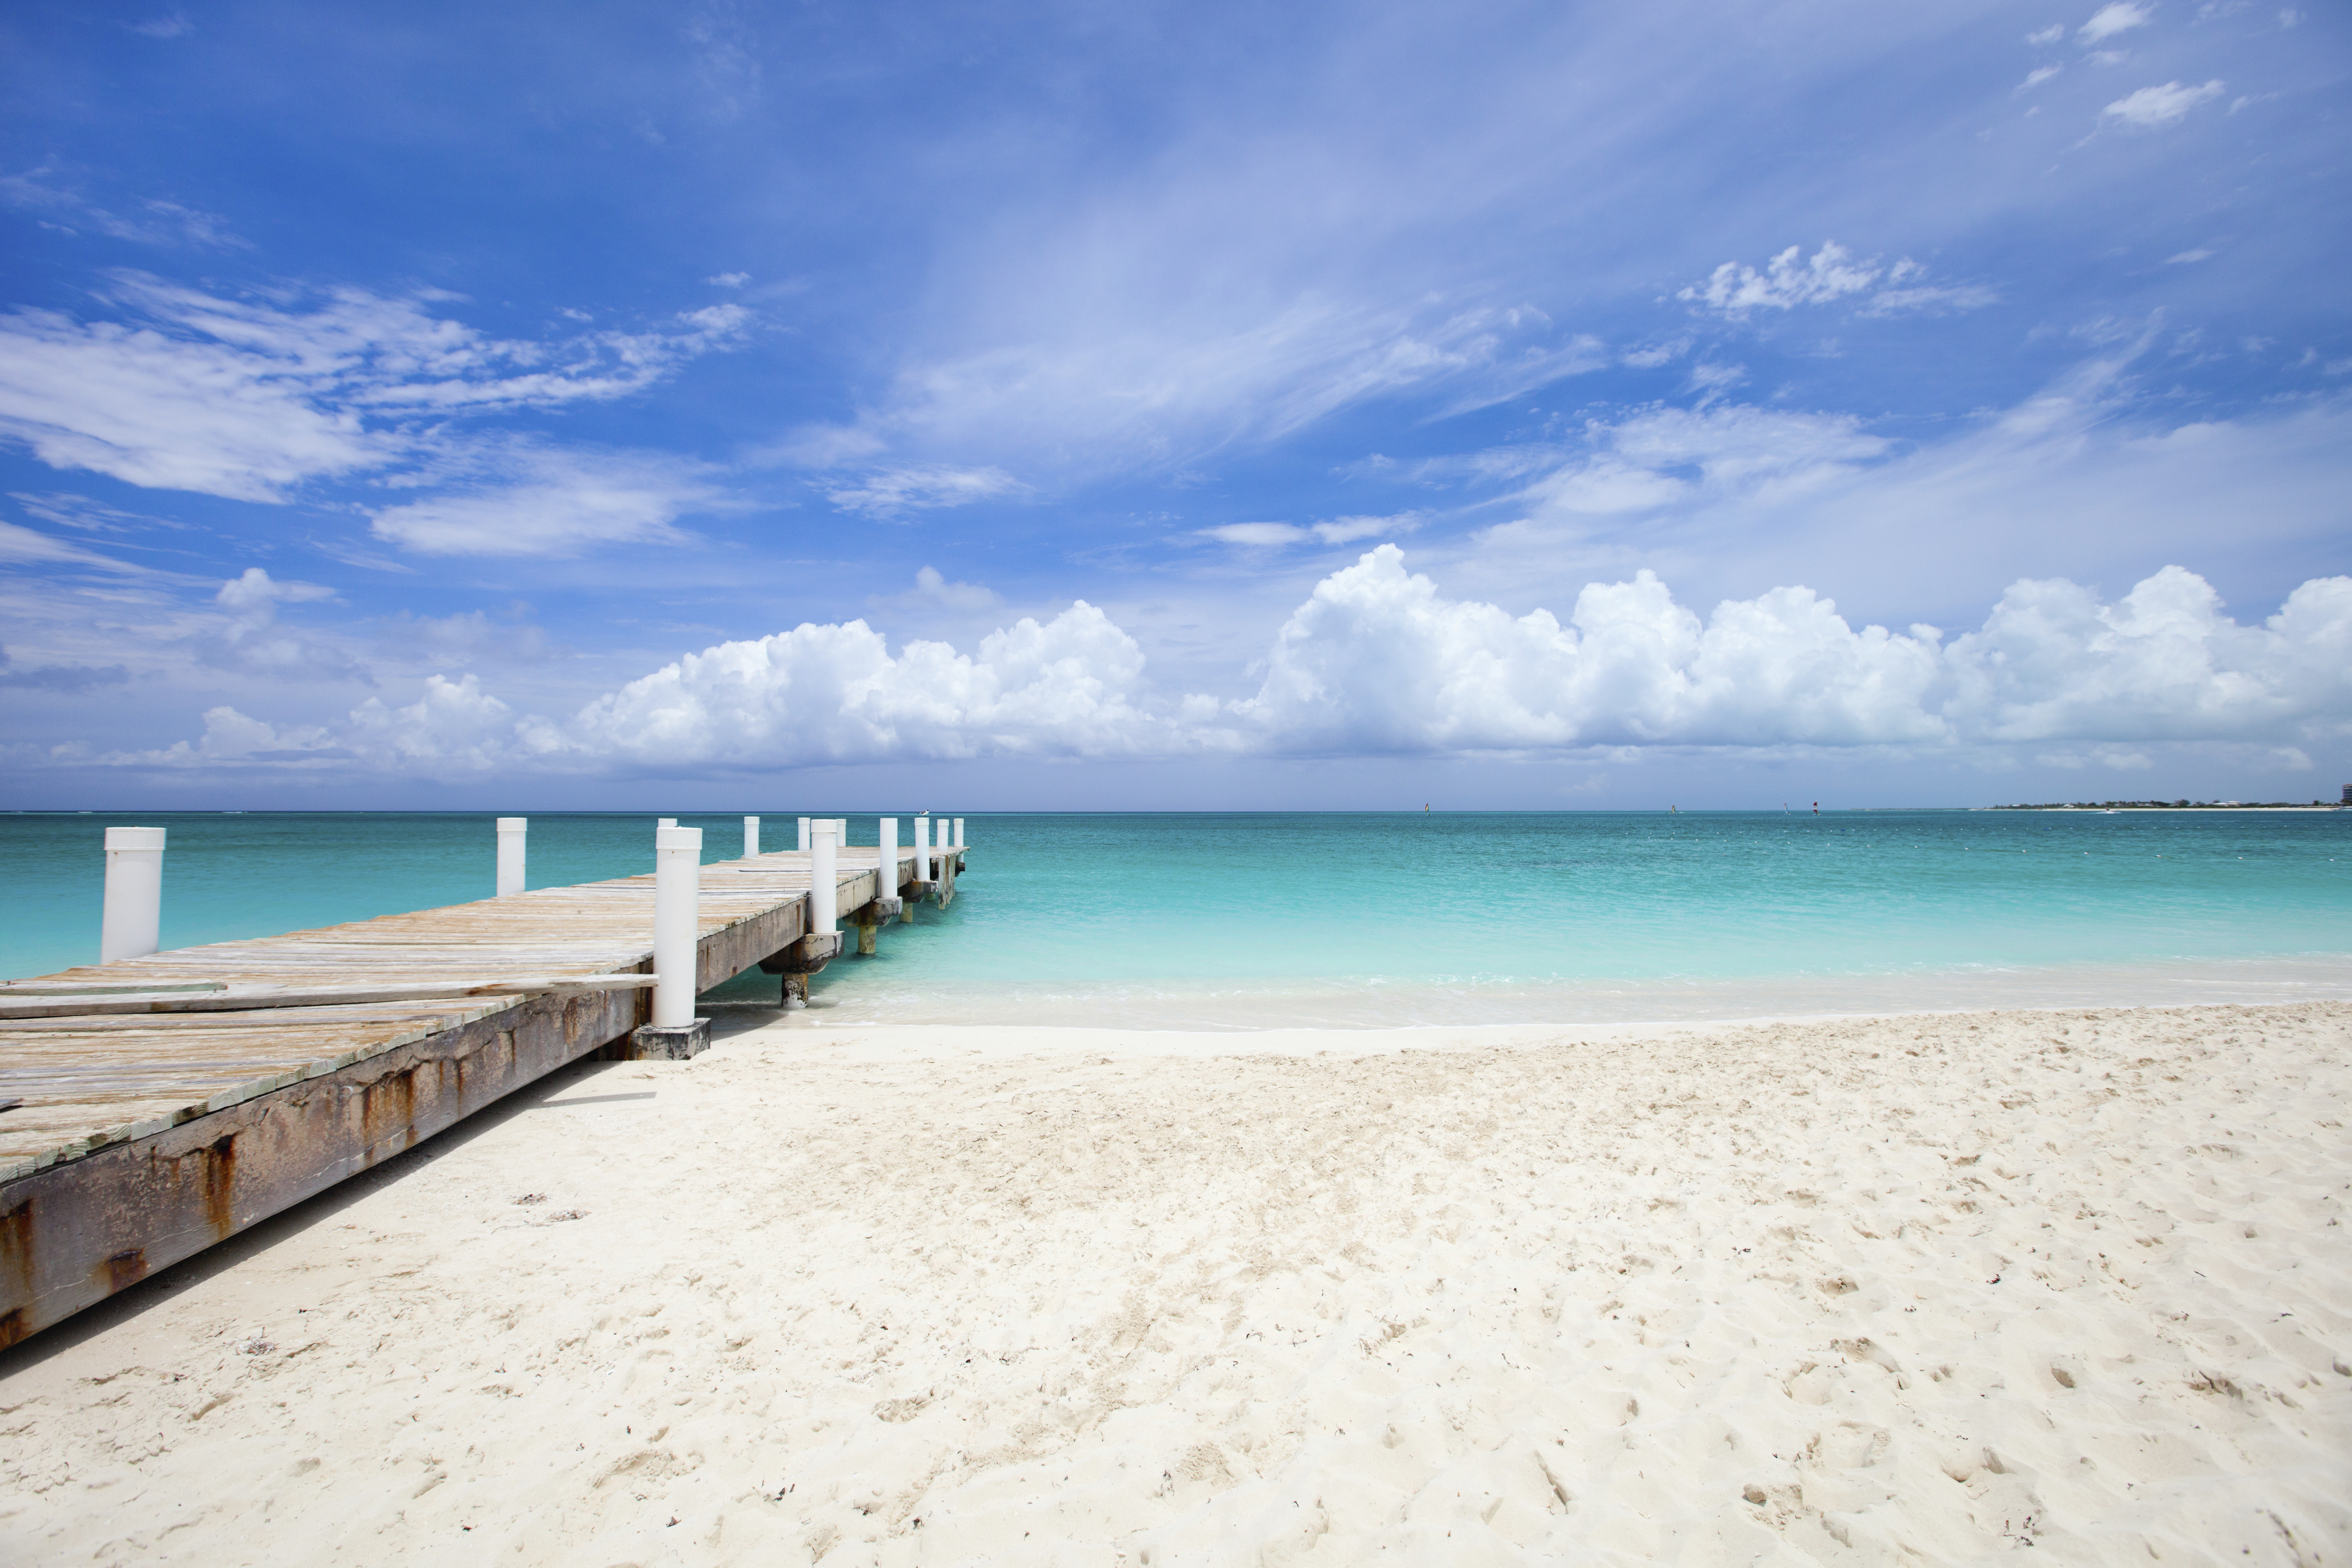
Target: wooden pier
153 1106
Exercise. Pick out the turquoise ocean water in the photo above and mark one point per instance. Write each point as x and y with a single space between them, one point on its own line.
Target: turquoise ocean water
1237 920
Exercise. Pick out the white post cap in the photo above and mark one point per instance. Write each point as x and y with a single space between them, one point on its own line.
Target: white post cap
513 824
133 838
666 822
677 838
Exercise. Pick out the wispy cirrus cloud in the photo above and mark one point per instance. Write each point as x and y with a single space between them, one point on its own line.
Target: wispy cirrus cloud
1335 531
2119 17
892 493
60 677
149 220
1255 535
1148 399
518 497
1653 459
66 509
250 397
2152 108
27 546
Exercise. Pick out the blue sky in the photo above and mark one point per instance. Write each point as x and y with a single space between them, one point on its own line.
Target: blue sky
1058 405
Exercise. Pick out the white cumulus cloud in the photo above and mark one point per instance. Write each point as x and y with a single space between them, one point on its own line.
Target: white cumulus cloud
2164 663
1379 660
1787 281
1790 280
249 638
1067 686
454 725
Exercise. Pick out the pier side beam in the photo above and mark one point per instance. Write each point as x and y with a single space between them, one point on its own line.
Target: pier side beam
77 1231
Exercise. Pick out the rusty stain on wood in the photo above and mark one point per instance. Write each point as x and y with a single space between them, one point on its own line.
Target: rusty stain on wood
219 1158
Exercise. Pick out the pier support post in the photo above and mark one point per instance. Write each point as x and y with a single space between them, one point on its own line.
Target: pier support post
511 832
133 920
824 890
886 902
675 1033
959 835
801 844
821 939
669 822
750 839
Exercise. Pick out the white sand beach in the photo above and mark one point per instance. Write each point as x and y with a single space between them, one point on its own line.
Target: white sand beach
1919 1290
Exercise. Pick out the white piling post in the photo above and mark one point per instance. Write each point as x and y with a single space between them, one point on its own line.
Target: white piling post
802 845
922 849
886 833
959 838
666 822
824 892
677 892
750 838
132 923
511 832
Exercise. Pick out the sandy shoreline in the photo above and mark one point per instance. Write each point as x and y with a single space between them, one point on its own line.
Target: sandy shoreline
1921 1288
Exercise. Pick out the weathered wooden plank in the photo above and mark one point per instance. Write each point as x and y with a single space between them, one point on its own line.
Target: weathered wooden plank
137 1138
232 999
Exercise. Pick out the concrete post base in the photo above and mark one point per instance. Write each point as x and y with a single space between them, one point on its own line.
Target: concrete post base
664 1042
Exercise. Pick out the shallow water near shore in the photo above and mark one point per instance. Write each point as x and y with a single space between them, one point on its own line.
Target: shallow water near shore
1241 920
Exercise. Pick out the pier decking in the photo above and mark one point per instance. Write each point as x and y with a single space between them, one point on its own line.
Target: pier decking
254 1079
